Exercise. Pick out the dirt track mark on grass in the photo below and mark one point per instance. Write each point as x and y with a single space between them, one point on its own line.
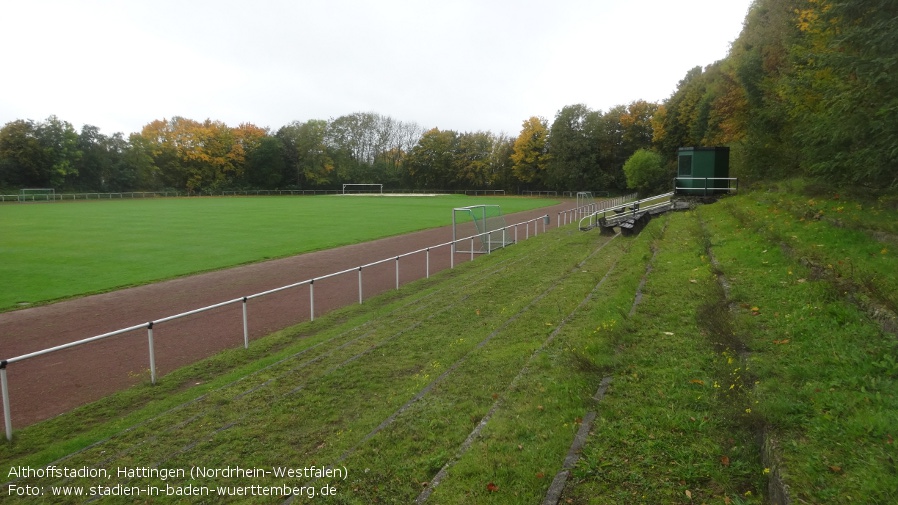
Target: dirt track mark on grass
460 361
435 481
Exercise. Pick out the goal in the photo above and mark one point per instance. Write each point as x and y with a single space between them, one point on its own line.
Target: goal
356 189
32 194
585 198
479 229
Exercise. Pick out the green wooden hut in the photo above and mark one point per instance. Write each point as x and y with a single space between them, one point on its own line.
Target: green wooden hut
700 171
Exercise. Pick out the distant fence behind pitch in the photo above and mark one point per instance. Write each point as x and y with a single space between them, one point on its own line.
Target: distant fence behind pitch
242 192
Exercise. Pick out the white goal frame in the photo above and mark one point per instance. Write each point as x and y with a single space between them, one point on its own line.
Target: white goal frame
490 231
380 187
47 193
585 198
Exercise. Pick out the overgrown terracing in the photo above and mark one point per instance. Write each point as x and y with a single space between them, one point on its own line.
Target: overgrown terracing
719 357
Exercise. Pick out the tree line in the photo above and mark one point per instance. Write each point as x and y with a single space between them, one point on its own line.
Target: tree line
581 149
809 87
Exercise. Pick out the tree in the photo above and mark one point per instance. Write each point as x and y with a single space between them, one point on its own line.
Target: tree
59 141
844 91
308 161
529 155
472 159
265 163
431 163
22 158
572 154
645 173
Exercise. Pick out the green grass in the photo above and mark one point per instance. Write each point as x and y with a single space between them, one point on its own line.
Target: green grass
739 362
60 250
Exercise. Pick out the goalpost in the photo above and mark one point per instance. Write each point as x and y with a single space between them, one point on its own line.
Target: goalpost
584 198
379 190
483 222
34 193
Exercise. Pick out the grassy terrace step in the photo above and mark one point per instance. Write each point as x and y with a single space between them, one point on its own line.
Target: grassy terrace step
666 431
827 380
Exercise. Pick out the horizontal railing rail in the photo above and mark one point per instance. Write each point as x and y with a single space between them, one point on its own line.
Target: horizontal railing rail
242 192
149 326
732 185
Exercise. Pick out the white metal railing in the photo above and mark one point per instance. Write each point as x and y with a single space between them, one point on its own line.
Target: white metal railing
534 223
236 192
627 208
732 185
566 217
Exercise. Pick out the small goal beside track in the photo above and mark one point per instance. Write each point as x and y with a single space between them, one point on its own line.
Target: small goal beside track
484 224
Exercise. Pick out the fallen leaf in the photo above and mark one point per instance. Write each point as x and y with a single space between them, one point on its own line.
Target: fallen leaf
492 488
693 281
835 469
725 460
540 475
689 494
668 333
697 381
727 500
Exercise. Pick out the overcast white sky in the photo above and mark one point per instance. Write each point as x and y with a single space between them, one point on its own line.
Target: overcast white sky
464 65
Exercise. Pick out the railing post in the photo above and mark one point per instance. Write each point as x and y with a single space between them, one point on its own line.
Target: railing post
472 248
152 352
397 272
312 300
452 255
360 285
245 327
427 264
5 387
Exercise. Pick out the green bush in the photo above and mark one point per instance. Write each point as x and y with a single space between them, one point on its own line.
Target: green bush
645 172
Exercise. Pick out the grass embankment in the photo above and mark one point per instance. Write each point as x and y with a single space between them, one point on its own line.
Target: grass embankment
760 365
719 357
64 249
390 390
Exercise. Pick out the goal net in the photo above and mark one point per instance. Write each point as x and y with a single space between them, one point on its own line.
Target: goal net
479 229
363 189
32 194
585 198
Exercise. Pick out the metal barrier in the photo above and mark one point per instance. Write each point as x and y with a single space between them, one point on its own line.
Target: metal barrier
643 205
732 186
566 217
244 300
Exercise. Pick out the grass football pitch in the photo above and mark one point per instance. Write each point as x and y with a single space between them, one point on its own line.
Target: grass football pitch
56 251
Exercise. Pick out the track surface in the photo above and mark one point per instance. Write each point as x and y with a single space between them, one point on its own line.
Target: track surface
46 386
